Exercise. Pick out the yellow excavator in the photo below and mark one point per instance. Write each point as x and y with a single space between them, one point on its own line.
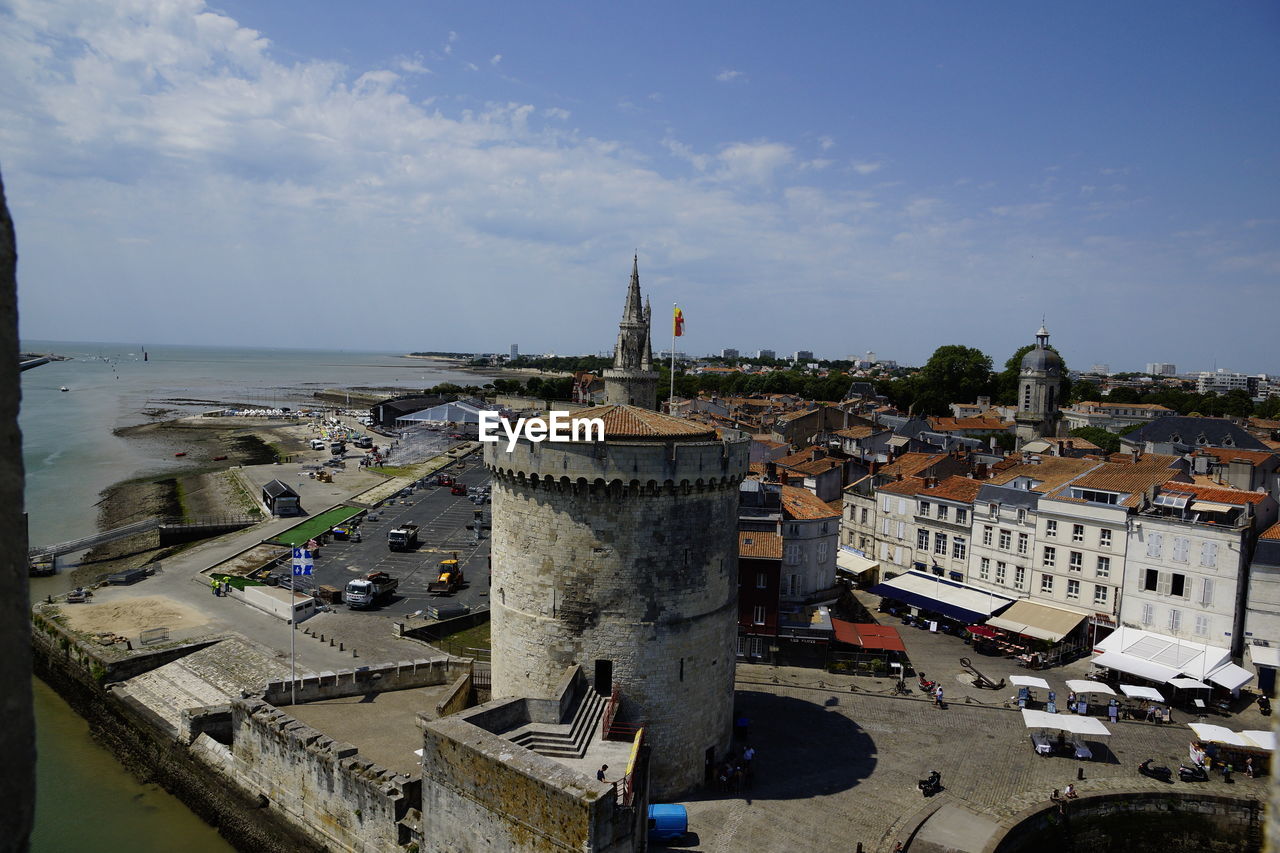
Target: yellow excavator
450 578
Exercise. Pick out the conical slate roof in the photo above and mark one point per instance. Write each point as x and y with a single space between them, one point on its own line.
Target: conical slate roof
632 422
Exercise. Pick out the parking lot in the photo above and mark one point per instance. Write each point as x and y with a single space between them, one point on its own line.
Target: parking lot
442 520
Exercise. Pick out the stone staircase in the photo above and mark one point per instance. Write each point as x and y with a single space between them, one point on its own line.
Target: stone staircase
564 740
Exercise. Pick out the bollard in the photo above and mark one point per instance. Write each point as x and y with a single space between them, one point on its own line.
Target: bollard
1080 773
859 848
340 647
331 642
353 654
322 638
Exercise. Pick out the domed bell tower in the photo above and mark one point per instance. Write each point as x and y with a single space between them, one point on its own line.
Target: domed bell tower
1039 390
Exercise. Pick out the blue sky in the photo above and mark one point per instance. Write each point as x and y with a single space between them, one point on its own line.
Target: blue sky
839 177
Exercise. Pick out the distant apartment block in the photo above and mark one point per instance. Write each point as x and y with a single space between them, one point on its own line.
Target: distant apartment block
729 353
766 353
515 351
1221 381
1101 369
802 355
1162 368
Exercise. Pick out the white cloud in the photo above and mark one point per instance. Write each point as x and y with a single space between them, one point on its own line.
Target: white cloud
497 57
728 76
169 143
752 162
826 142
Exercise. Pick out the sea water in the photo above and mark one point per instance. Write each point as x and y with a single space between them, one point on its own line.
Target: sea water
84 799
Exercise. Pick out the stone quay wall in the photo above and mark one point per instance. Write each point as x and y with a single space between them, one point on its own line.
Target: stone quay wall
623 552
146 746
320 784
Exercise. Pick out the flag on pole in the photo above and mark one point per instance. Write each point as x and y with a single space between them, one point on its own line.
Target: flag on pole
302 562
677 322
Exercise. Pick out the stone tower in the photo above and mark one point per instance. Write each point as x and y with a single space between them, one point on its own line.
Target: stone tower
632 380
620 556
1039 384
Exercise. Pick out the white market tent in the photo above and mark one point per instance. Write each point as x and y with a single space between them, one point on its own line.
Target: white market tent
1029 681
1184 683
1161 659
1083 685
1219 734
1133 691
1073 723
1263 739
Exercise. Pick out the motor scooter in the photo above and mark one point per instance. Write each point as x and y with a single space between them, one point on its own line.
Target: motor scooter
1264 705
1192 773
1164 774
932 785
926 685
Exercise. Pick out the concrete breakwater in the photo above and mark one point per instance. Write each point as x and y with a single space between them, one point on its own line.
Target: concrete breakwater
266 781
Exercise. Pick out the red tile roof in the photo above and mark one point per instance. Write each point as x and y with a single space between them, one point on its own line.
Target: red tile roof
1272 532
803 505
956 424
910 464
759 544
1227 454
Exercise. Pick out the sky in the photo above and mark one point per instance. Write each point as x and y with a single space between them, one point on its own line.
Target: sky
830 176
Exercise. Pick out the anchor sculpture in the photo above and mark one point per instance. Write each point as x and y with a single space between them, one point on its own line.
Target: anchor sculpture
980 680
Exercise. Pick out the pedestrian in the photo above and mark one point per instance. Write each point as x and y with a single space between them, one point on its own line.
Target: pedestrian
600 773
1248 767
937 696
213 586
1113 711
1070 792
1071 700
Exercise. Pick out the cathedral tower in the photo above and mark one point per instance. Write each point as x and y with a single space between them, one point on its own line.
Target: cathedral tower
632 381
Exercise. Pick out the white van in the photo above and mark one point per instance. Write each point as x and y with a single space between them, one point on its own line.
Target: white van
318 444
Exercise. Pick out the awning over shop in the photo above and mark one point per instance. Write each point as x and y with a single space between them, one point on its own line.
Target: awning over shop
1041 621
868 636
1212 506
982 631
849 563
952 599
1184 683
1265 655
1231 676
1135 666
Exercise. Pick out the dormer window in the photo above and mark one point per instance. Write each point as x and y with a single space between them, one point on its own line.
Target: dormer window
1228 442
1175 438
1202 440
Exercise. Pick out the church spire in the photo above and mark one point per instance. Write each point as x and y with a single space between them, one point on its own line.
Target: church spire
632 381
633 311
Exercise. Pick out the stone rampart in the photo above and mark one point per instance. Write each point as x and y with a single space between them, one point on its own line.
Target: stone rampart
482 792
405 675
321 785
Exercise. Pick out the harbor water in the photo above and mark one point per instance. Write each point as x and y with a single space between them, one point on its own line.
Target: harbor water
85 800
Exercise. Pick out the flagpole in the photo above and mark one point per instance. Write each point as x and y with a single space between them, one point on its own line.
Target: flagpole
672 397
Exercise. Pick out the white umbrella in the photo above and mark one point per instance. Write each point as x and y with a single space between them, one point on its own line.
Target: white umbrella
1135 692
1029 681
1082 685
1184 683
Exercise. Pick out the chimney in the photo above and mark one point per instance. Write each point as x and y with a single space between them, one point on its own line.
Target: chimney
980 471
1137 454
984 403
1061 447
1071 445
770 472
930 482
873 468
